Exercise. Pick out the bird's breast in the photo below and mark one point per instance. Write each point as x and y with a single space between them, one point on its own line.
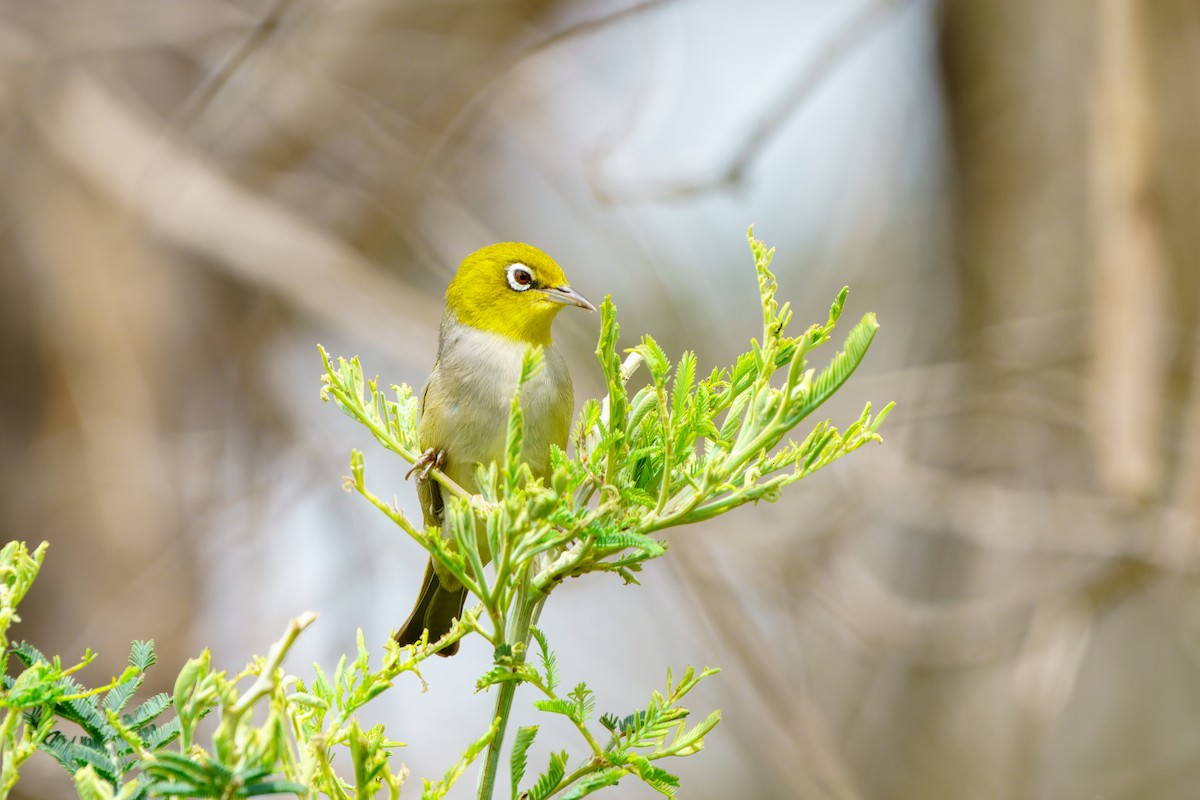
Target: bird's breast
467 402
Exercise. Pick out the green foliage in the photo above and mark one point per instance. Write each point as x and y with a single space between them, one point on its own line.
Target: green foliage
44 692
648 734
115 747
521 744
550 780
436 791
114 741
18 568
679 450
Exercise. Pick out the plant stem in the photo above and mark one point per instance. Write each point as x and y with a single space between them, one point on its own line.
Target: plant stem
487 778
519 636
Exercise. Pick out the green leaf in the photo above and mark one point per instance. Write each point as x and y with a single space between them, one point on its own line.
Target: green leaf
193 670
176 766
91 755
309 700
653 725
548 781
640 497
438 791
617 399
835 310
685 377
273 787
623 539
840 368
877 422
117 697
157 737
521 744
85 715
65 751
656 777
692 741
148 710
27 654
655 358
185 790
141 655
585 702
558 705
531 364
18 569
549 660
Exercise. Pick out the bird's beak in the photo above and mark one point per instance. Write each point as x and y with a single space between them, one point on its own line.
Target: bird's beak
567 296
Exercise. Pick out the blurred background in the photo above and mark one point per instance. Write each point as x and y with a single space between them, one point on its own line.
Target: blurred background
1000 602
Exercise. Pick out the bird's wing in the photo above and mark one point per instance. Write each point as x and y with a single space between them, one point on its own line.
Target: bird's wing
428 492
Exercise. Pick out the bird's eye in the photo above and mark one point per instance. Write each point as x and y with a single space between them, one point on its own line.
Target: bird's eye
520 277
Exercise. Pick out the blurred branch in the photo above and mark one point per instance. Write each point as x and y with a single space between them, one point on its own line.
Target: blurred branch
731 171
1129 345
594 24
951 633
217 79
1049 522
1186 491
583 28
804 756
1047 669
248 236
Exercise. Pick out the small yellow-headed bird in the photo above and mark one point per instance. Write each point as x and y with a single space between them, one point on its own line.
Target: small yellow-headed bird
501 302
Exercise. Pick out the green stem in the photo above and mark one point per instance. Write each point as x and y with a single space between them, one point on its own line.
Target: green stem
528 609
487 778
587 769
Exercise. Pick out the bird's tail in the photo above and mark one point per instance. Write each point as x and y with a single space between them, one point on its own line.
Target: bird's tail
436 609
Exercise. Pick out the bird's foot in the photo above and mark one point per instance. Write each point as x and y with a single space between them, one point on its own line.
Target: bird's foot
430 459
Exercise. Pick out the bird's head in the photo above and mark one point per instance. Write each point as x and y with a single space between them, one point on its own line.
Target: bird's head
512 289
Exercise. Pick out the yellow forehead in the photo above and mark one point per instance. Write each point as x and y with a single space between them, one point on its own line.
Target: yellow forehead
489 265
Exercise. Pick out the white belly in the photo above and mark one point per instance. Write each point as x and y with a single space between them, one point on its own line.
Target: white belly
467 401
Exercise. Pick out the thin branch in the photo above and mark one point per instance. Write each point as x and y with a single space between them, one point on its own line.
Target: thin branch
584 28
732 170
219 77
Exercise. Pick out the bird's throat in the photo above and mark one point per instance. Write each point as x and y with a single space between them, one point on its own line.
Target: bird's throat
529 324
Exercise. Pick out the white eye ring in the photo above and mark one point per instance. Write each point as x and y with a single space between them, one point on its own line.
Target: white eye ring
520 277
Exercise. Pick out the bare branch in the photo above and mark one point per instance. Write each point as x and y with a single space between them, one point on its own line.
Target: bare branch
203 95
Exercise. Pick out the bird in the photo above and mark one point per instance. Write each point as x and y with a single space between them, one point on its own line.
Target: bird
502 301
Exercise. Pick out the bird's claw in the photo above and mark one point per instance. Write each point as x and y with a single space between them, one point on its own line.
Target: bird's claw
430 459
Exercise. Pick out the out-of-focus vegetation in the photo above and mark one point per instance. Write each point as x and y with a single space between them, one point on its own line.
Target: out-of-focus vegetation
196 191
